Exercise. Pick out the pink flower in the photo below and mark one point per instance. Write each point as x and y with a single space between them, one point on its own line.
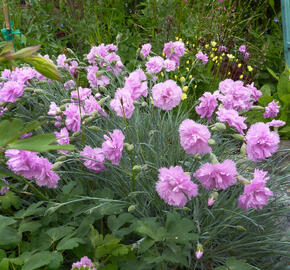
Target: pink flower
208 103
73 118
69 85
222 48
72 68
174 50
246 55
202 56
243 49
113 146
3 110
54 110
114 63
198 254
45 176
276 123
254 91
136 84
272 109
255 194
210 201
154 64
62 138
166 95
4 189
6 73
81 94
84 263
91 105
175 187
61 61
219 176
122 103
10 91
261 142
22 75
169 65
96 159
232 118
95 80
194 137
145 50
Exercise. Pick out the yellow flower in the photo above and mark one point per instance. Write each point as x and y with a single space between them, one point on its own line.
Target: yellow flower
213 43
215 58
163 54
206 46
237 60
187 42
185 88
184 96
175 77
195 86
180 39
250 68
242 76
221 57
223 54
176 38
187 62
230 56
193 45
216 61
162 74
239 65
187 69
182 79
190 76
229 73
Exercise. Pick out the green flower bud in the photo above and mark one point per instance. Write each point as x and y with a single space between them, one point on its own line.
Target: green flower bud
100 73
62 108
61 158
57 165
149 76
94 128
211 142
131 208
213 158
130 147
243 150
66 100
218 127
257 108
88 120
137 168
75 134
241 228
144 104
239 137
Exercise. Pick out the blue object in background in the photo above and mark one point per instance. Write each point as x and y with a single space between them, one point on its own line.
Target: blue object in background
285 8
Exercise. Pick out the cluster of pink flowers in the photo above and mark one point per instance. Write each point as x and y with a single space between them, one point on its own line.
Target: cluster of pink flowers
255 194
175 187
174 50
70 66
154 64
111 150
84 263
94 80
166 95
145 50
202 56
62 138
194 137
219 176
31 166
243 50
272 109
208 104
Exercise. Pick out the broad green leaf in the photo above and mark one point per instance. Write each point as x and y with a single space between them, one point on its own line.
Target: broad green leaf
285 129
31 226
5 221
56 262
145 244
38 260
235 264
4 264
283 87
264 100
8 130
115 223
9 237
2 254
33 209
267 89
10 199
286 99
151 228
69 243
59 232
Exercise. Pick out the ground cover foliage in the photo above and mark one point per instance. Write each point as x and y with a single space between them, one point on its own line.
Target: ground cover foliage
80 206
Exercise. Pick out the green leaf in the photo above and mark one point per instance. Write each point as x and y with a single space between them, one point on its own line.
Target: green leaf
285 129
235 264
2 254
10 199
286 99
8 131
267 89
264 100
115 223
5 221
4 264
39 143
146 244
283 87
33 209
59 232
38 260
56 262
9 237
31 226
151 228
272 73
221 268
69 243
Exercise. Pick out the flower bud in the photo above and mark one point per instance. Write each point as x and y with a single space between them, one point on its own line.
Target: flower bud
218 127
118 38
75 134
243 150
137 168
62 107
211 142
94 128
130 147
103 100
199 251
239 137
213 158
257 108
243 180
57 165
144 104
149 76
61 158
131 208
100 73
88 120
241 228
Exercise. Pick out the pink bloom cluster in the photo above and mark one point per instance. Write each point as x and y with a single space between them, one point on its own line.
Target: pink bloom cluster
219 176
243 50
94 159
194 137
175 187
62 138
208 104
69 85
255 194
261 142
70 66
276 123
145 50
272 109
166 95
122 103
154 64
174 50
232 118
202 56
136 84
31 166
94 80
84 263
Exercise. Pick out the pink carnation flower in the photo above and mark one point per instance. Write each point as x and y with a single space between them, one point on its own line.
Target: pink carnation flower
208 103
122 103
6 73
145 50
272 109
45 175
255 194
202 56
136 84
175 187
96 159
22 75
243 49
194 137
198 254
91 105
69 85
73 118
10 91
232 118
61 61
95 80
62 138
84 263
261 142
81 94
254 91
169 65
154 65
113 146
54 110
174 50
246 55
219 176
276 123
166 95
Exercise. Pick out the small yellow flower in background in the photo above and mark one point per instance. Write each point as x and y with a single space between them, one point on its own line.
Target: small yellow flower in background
187 42
182 79
229 73
216 61
223 54
162 74
250 68
230 56
187 69
237 60
193 45
175 77
242 76
187 62
213 43
151 100
184 96
177 67
215 49
180 39
212 55
221 57
156 77
206 46
185 88
190 76
215 58
195 86
163 54
176 38
239 65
